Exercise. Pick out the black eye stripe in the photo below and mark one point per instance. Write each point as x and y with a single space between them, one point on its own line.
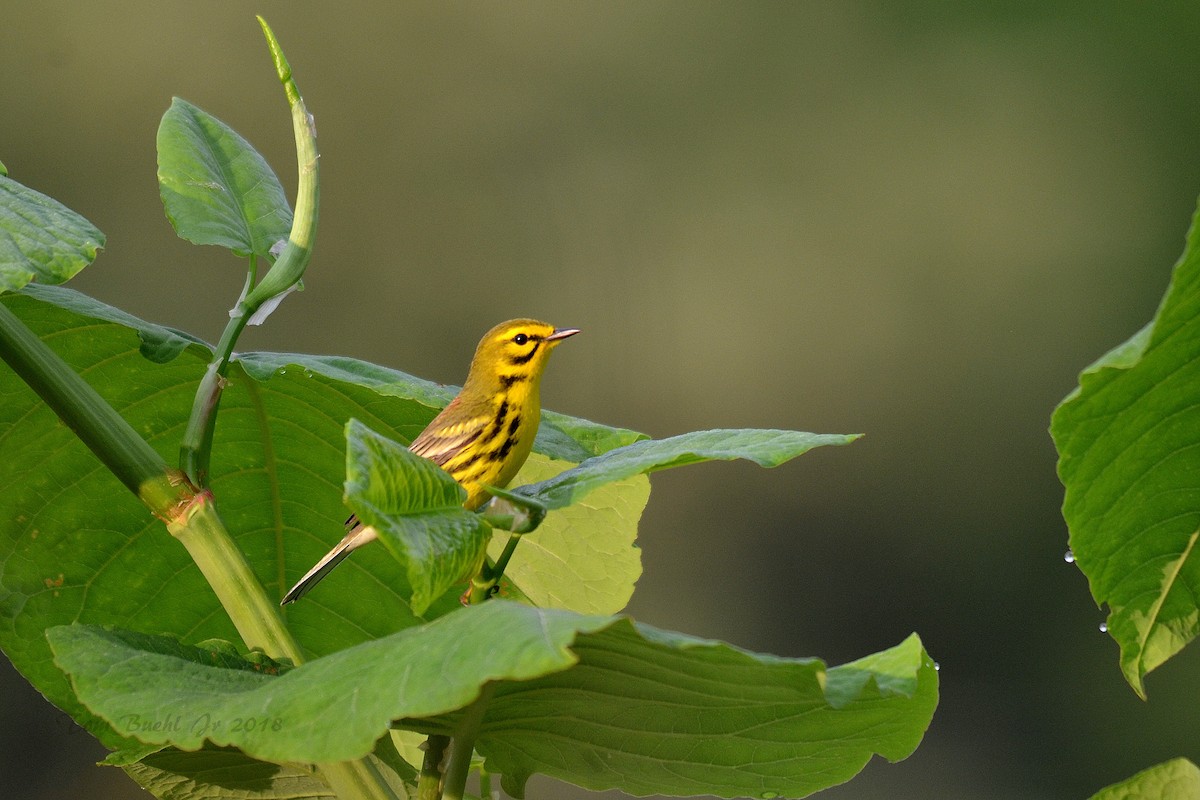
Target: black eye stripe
517 361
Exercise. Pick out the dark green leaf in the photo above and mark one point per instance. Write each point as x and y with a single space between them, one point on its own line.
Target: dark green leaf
41 239
417 510
1129 455
767 448
599 701
215 187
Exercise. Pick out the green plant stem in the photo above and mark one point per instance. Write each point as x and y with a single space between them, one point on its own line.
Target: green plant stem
126 454
489 575
497 570
281 278
485 785
429 784
465 734
196 446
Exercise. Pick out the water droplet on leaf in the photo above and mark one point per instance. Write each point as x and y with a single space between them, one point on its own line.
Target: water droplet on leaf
1069 556
1104 627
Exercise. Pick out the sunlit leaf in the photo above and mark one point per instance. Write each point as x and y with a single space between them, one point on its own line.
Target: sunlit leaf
1178 779
1129 455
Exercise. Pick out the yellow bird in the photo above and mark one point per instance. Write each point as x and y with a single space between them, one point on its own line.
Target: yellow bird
484 435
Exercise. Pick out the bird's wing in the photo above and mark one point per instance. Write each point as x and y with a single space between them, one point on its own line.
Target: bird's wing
447 435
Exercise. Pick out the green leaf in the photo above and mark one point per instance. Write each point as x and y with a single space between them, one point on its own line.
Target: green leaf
333 708
41 239
215 187
652 712
158 343
216 773
75 546
559 566
417 510
222 773
599 701
564 563
1178 779
1129 458
576 439
767 448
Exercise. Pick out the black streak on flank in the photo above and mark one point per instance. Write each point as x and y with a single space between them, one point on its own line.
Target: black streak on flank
498 425
501 453
517 361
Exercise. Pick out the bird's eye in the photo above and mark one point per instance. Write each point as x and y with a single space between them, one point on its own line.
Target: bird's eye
520 338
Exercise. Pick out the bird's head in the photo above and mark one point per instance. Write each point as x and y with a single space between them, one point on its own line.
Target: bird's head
515 352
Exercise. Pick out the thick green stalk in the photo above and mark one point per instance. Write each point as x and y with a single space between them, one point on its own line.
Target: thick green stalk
126 454
226 570
190 515
429 785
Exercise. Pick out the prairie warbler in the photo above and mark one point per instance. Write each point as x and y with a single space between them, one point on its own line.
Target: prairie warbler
484 435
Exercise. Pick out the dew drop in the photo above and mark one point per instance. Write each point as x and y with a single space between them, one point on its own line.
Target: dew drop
283 371
937 667
1104 627
1069 556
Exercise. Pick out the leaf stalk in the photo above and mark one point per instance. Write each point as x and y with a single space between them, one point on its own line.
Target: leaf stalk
283 276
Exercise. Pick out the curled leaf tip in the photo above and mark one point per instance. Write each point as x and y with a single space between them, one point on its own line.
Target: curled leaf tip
282 68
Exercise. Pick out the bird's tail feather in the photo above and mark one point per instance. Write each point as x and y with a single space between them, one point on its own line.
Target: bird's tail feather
356 538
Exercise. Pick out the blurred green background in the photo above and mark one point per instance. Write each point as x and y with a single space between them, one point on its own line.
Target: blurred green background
914 220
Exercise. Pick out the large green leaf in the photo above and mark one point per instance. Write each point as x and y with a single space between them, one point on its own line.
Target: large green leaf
417 510
215 187
1178 779
1129 455
41 239
75 546
599 701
